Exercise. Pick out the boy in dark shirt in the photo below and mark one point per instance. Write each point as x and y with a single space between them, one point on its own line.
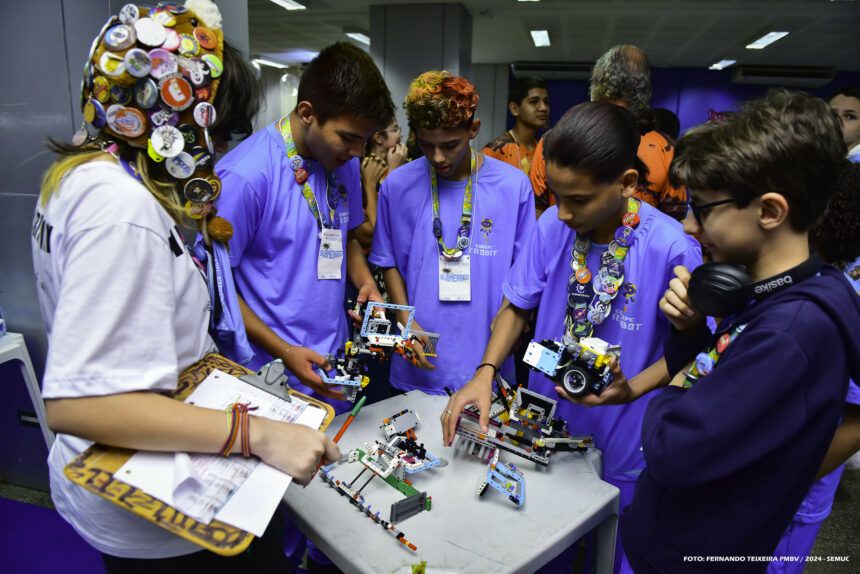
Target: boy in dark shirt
734 443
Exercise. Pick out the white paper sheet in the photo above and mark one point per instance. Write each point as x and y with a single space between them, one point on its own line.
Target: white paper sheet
249 490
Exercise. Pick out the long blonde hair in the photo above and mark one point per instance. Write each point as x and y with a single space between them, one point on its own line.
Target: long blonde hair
71 157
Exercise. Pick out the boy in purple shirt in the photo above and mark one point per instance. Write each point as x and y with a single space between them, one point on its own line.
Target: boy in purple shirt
733 444
593 170
293 194
448 227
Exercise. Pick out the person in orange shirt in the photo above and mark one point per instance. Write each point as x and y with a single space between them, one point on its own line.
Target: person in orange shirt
528 102
622 76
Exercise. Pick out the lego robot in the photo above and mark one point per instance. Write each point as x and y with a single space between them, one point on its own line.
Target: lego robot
580 367
375 339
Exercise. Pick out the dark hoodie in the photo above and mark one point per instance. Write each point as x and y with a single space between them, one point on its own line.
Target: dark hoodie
730 460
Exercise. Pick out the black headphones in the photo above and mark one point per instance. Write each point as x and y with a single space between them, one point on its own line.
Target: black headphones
720 289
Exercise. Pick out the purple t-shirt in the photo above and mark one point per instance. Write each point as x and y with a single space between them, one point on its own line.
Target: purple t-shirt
503 218
540 277
276 242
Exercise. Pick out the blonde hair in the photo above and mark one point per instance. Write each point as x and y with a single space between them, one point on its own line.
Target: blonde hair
71 157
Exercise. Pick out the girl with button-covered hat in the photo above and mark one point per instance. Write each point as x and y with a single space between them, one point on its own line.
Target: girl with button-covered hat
126 307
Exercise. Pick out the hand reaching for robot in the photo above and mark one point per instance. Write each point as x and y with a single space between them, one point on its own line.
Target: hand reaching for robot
303 362
478 391
617 393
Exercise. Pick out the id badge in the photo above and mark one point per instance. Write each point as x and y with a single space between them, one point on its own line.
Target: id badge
330 258
455 279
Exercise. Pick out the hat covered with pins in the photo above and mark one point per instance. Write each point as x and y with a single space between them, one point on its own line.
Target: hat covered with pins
150 80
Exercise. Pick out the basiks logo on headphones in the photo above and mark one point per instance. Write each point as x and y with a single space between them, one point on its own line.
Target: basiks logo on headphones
773 285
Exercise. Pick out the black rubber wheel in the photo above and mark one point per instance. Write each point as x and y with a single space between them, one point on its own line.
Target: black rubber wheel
577 380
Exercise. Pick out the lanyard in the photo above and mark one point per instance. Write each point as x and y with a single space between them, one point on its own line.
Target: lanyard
589 296
707 360
465 231
297 164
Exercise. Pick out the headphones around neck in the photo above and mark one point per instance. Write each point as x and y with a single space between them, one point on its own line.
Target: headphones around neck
720 289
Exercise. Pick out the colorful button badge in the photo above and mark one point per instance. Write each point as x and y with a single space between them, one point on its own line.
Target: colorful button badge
129 14
167 141
188 46
204 114
176 92
119 38
145 93
101 89
163 17
171 40
205 38
149 32
198 190
181 166
138 63
163 63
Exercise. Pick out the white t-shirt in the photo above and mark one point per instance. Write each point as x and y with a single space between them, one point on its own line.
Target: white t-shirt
126 309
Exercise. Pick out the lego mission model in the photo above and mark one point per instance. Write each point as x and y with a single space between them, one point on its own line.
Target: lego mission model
522 422
392 461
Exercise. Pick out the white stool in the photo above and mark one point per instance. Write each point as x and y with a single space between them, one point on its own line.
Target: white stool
12 347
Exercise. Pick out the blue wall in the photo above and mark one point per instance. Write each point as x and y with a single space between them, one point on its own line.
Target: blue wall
689 92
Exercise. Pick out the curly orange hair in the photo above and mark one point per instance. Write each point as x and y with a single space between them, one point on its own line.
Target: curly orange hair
439 100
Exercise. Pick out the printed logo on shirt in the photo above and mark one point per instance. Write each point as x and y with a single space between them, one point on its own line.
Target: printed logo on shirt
487 228
41 232
343 218
483 249
627 322
629 293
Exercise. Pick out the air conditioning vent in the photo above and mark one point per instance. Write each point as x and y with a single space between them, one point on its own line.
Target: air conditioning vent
553 70
791 77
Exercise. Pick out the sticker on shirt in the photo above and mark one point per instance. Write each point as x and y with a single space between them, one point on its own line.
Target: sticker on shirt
455 280
330 259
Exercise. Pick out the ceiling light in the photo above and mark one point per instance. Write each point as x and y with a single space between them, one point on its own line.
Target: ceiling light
270 63
357 34
528 0
766 40
721 64
359 37
540 38
289 4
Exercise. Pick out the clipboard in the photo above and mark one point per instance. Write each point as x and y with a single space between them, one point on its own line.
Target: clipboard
94 470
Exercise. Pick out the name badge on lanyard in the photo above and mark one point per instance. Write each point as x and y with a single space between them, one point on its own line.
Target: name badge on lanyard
455 279
330 258
455 276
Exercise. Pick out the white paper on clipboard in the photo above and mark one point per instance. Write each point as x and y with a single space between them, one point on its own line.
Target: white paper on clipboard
241 492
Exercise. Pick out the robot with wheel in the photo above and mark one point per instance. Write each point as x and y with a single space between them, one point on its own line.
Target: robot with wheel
580 367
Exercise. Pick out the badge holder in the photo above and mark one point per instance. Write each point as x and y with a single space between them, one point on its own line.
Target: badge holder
330 257
455 278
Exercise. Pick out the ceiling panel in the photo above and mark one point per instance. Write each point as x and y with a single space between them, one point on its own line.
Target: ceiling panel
676 33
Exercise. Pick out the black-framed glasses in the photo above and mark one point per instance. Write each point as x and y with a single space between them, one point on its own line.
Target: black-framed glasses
699 211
